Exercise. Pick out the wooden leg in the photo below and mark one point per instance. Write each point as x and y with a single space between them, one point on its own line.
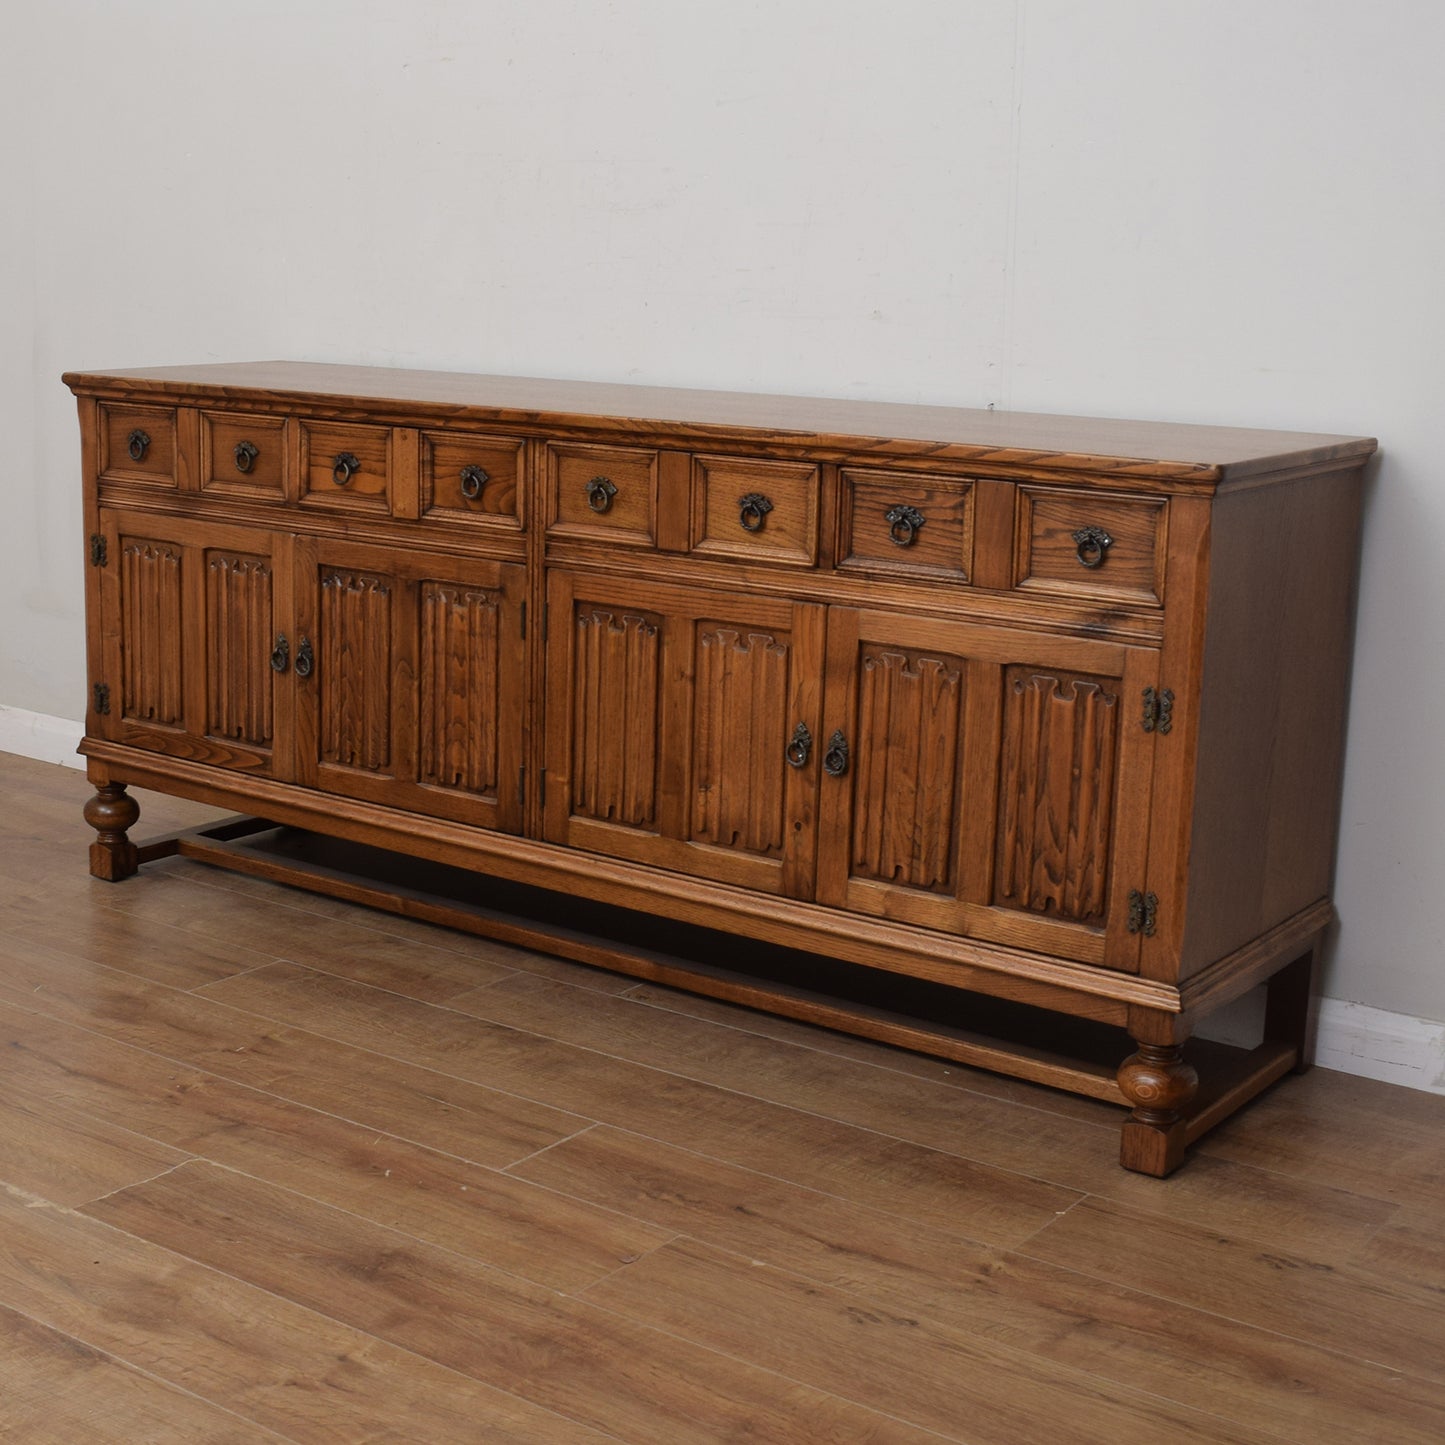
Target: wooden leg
111 812
1160 1086
1292 1005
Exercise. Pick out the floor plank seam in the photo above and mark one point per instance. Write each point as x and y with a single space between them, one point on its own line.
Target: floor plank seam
547 1148
137 1183
170 1385
334 1319
1233 1320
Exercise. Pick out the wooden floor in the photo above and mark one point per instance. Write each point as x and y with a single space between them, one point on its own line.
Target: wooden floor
278 1168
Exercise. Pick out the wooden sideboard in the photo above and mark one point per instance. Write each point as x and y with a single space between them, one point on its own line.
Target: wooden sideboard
939 705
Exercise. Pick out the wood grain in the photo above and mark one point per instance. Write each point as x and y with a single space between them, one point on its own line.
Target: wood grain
586 1363
289 1369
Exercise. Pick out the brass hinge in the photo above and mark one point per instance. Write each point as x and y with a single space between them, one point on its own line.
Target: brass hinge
102 698
1143 912
98 549
524 622
1158 710
546 608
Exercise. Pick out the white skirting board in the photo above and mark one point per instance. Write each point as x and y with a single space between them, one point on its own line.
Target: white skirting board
1353 1038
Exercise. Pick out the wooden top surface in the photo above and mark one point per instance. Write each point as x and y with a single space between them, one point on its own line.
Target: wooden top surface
1170 450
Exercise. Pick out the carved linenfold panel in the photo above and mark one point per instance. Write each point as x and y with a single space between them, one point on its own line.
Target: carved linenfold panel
740 727
905 810
150 590
615 714
239 641
354 667
1056 792
459 681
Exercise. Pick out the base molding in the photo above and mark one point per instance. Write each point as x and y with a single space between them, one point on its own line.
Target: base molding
42 737
1376 1044
1354 1038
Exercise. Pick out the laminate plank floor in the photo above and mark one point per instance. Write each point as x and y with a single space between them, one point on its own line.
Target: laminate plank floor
278 1167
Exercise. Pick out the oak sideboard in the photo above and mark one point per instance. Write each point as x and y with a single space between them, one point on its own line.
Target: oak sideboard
1016 739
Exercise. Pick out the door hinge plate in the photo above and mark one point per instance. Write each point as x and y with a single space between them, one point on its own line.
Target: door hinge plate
102 698
1158 710
98 549
1143 912
524 622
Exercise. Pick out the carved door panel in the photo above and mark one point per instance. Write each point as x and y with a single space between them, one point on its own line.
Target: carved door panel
670 714
190 628
988 782
411 680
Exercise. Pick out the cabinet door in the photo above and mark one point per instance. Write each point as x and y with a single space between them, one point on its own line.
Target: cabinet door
411 680
670 712
190 624
995 783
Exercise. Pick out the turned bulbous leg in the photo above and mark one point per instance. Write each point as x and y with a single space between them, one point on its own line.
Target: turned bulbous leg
1160 1086
111 812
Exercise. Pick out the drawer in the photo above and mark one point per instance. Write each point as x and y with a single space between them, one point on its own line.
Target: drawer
243 456
138 444
471 479
602 493
755 511
1091 544
346 468
905 524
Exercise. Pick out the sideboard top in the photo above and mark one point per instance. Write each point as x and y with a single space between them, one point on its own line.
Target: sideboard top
1164 450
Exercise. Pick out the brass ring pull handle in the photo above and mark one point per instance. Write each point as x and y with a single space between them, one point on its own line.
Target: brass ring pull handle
1092 544
245 455
835 760
600 492
751 511
473 480
280 654
903 524
344 468
800 748
305 659
138 443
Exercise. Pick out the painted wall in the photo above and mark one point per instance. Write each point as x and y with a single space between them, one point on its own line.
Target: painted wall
1219 211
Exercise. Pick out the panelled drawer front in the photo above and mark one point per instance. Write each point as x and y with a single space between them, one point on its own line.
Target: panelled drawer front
138 444
345 467
906 524
755 511
602 493
243 456
472 479
1078 543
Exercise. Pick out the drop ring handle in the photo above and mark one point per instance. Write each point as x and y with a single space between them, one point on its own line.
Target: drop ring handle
245 454
344 467
600 492
1092 545
137 444
280 654
835 760
751 511
473 480
903 524
800 747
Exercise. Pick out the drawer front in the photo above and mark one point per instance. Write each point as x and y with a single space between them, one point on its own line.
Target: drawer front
1091 545
602 493
243 456
471 479
346 468
138 444
906 524
755 511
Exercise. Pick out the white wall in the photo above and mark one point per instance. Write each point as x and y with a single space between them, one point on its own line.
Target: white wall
1224 211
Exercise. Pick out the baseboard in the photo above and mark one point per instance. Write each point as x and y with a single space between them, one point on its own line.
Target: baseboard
39 736
1353 1037
1375 1044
